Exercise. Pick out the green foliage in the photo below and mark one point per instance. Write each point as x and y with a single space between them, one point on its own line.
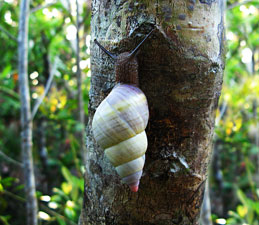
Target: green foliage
5 184
247 212
51 48
238 117
66 200
52 45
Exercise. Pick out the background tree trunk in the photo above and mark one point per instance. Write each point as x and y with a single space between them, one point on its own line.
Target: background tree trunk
81 113
26 118
205 218
180 69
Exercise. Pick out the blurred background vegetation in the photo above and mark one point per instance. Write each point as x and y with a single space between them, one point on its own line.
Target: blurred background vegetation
234 173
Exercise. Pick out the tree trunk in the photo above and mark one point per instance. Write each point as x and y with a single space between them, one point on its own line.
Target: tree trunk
26 122
81 113
180 71
205 209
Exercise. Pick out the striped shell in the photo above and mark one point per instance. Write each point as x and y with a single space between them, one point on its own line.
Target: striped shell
119 128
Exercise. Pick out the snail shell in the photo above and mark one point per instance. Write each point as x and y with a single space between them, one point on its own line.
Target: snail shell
119 128
120 120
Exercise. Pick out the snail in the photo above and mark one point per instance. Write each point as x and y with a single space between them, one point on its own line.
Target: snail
120 120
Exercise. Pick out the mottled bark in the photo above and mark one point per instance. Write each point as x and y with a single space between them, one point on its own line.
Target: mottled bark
180 71
26 122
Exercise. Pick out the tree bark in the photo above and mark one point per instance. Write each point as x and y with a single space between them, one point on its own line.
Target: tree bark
180 71
26 122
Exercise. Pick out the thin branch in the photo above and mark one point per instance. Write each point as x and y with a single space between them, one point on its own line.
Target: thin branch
236 4
17 197
39 7
9 92
9 159
222 112
40 99
8 34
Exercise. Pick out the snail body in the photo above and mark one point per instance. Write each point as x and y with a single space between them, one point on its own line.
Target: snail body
120 120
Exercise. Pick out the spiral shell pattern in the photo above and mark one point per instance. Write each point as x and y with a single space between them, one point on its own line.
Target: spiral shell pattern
119 128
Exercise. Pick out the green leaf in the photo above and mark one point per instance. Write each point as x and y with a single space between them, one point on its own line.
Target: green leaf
70 213
66 173
242 197
19 187
60 221
59 193
66 187
38 194
250 216
5 219
242 211
8 181
256 207
56 198
1 188
5 72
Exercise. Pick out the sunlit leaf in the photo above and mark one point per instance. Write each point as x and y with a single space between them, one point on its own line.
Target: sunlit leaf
66 187
242 210
5 72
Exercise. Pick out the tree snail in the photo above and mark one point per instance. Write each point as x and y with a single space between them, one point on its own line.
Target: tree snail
120 120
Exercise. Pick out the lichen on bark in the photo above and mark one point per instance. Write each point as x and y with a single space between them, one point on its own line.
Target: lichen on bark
180 71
